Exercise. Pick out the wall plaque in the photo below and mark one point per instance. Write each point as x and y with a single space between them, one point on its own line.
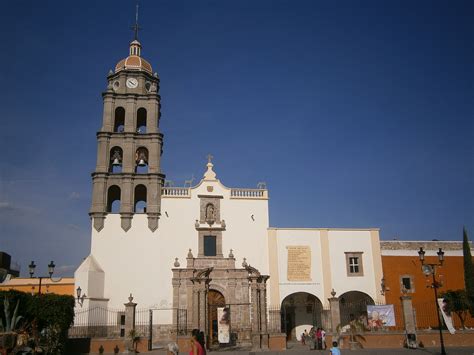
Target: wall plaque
299 263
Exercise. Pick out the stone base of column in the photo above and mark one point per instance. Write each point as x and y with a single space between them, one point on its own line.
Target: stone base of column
255 341
264 341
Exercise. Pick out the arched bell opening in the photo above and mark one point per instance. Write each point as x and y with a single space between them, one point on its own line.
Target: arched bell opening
140 199
216 307
141 120
115 161
353 305
300 311
141 161
113 199
119 120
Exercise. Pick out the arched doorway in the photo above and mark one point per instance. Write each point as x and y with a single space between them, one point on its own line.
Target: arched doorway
215 300
300 311
352 305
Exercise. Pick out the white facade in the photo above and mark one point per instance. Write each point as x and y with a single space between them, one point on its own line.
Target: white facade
139 261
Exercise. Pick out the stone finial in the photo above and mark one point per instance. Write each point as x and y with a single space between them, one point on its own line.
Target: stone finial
176 262
231 255
333 293
130 298
190 254
111 71
196 224
244 263
209 174
223 224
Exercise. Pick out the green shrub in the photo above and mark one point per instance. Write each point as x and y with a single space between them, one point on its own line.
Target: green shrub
49 316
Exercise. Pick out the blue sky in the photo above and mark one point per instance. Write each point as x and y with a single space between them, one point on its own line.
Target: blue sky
356 114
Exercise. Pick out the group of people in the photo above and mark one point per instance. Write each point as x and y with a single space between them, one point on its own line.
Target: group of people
316 338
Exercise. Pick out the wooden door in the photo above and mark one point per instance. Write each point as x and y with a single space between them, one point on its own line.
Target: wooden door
215 299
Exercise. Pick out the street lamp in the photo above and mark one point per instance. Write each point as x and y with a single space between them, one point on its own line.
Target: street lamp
80 298
430 269
51 267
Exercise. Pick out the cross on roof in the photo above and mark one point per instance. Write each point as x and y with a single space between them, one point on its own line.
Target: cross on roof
136 27
209 158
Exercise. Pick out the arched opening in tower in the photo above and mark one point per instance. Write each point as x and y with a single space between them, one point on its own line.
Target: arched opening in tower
140 199
115 161
141 120
119 120
113 199
141 161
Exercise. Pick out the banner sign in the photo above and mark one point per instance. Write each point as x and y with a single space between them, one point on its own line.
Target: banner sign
446 316
381 316
223 325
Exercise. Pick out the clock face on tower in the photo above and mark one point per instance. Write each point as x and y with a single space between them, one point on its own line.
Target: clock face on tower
132 83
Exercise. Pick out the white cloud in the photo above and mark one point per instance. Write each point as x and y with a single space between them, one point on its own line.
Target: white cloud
74 195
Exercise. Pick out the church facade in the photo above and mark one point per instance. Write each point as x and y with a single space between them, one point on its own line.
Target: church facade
206 247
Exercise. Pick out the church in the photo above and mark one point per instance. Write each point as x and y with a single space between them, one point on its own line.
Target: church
208 248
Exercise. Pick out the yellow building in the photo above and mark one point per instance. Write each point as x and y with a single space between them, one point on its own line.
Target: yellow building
60 286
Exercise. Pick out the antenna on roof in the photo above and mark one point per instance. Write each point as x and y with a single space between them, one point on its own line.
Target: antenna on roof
135 27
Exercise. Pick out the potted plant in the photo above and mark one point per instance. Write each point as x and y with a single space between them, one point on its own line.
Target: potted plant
355 330
133 338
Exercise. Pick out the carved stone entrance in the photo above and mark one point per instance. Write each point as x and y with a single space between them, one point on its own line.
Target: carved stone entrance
215 299
207 283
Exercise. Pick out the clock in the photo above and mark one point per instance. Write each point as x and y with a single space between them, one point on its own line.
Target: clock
132 83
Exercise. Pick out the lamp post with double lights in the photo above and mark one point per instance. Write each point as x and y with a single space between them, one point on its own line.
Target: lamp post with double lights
430 269
51 267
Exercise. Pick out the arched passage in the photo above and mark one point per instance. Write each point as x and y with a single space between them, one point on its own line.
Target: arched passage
300 311
353 304
215 300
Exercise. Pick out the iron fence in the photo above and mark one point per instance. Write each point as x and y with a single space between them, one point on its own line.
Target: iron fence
98 322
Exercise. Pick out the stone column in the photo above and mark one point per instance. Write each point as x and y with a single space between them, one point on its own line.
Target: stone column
130 308
176 283
408 317
195 308
263 312
335 312
255 313
202 307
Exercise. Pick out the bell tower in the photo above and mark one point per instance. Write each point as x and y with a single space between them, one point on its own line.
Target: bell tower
127 178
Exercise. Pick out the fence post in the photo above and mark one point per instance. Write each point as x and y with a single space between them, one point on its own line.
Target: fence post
335 312
130 309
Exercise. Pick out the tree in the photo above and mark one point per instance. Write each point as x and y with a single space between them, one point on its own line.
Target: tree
457 302
468 272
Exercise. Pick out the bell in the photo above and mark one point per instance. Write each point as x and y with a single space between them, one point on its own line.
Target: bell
116 162
142 162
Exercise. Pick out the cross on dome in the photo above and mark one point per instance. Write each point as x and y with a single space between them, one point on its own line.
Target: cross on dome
209 174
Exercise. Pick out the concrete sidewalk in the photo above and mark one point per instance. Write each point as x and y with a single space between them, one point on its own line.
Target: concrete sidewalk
425 351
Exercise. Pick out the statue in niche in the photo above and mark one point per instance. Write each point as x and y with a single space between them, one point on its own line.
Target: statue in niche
210 213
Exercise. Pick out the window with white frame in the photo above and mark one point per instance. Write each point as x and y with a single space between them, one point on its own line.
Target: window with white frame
354 264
